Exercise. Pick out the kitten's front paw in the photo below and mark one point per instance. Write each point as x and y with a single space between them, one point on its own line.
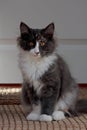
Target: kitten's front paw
33 116
58 115
45 117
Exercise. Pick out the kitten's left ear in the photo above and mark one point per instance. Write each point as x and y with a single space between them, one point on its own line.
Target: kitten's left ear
49 30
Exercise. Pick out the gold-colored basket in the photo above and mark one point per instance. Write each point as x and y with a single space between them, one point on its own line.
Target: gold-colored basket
9 95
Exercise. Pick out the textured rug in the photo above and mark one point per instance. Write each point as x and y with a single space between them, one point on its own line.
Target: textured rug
12 116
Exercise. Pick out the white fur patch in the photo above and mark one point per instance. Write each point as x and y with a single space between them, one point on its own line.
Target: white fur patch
37 47
61 105
36 108
58 115
33 116
45 117
34 67
34 51
66 101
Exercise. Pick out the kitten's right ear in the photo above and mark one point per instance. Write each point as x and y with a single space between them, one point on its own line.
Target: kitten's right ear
49 30
24 28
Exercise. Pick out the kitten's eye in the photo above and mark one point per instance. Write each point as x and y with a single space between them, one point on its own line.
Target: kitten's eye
31 43
42 43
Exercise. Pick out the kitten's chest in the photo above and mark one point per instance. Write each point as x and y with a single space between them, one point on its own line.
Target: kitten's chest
34 69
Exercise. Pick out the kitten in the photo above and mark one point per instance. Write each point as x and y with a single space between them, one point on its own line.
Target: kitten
49 92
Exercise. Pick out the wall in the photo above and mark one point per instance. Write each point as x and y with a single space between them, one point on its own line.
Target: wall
70 17
73 51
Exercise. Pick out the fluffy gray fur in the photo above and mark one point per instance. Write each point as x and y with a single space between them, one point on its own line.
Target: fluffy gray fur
49 92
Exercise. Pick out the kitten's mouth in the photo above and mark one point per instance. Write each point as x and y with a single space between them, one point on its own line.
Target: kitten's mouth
37 54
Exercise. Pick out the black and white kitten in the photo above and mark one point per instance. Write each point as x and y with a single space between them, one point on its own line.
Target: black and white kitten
49 91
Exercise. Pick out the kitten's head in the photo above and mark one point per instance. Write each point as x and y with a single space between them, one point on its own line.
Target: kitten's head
38 42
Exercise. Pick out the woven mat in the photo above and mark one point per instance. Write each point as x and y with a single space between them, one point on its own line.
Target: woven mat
12 116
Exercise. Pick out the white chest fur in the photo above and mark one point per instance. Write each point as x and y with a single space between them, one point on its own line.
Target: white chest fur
33 68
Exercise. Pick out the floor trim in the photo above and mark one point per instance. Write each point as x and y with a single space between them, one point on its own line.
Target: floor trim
11 85
82 85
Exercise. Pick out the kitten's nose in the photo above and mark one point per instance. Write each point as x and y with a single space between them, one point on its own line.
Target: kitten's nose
37 53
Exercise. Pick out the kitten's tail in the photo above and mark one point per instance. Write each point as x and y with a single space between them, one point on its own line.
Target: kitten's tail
81 106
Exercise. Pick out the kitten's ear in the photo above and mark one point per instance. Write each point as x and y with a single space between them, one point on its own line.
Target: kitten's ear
24 28
49 30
